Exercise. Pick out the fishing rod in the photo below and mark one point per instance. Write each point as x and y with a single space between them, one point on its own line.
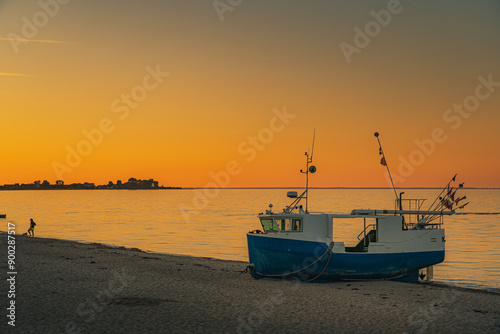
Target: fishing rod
445 188
443 201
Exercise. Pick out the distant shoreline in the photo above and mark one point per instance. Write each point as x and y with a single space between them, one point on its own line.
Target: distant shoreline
3 188
131 184
338 188
42 189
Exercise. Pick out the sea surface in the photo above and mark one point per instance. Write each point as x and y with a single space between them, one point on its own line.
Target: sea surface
214 222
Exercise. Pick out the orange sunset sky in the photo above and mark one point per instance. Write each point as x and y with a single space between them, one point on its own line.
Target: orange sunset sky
176 90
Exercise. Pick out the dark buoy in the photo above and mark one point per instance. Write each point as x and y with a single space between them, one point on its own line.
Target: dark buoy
376 134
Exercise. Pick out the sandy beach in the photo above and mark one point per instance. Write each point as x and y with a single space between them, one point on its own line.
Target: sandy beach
69 287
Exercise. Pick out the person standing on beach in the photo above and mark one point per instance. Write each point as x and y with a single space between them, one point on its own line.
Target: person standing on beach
31 230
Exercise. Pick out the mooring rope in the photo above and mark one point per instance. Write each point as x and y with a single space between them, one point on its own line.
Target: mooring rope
324 268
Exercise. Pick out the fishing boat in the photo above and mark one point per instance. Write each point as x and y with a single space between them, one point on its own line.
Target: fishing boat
403 243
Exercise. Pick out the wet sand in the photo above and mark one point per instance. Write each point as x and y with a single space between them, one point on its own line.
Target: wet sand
69 287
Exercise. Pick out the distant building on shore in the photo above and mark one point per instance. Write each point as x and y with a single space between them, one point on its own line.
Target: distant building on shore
132 183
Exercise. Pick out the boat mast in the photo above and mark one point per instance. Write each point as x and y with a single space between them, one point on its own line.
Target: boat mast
311 169
384 163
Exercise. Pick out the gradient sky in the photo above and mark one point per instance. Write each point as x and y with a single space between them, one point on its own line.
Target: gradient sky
66 72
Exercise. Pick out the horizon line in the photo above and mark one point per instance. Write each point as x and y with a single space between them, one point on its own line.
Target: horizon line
332 187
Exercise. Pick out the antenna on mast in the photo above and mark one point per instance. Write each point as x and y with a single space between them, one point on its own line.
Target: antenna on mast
309 169
293 194
312 150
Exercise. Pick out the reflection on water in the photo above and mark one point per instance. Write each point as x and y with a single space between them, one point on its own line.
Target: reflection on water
153 220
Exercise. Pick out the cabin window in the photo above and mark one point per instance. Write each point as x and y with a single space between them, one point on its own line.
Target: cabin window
268 225
297 224
284 224
290 224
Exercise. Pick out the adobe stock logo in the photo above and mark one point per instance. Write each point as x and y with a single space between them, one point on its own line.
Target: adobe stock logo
222 6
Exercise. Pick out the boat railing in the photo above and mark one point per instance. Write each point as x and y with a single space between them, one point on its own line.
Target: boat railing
424 223
412 219
373 226
423 227
416 218
409 205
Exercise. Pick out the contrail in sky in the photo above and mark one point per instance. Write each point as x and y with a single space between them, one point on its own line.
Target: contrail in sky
32 40
16 74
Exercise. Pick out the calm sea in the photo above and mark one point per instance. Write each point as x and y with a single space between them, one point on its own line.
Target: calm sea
184 222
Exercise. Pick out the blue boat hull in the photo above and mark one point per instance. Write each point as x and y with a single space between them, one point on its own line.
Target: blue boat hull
278 257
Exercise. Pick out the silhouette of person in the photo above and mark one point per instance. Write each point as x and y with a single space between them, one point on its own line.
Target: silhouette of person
31 230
